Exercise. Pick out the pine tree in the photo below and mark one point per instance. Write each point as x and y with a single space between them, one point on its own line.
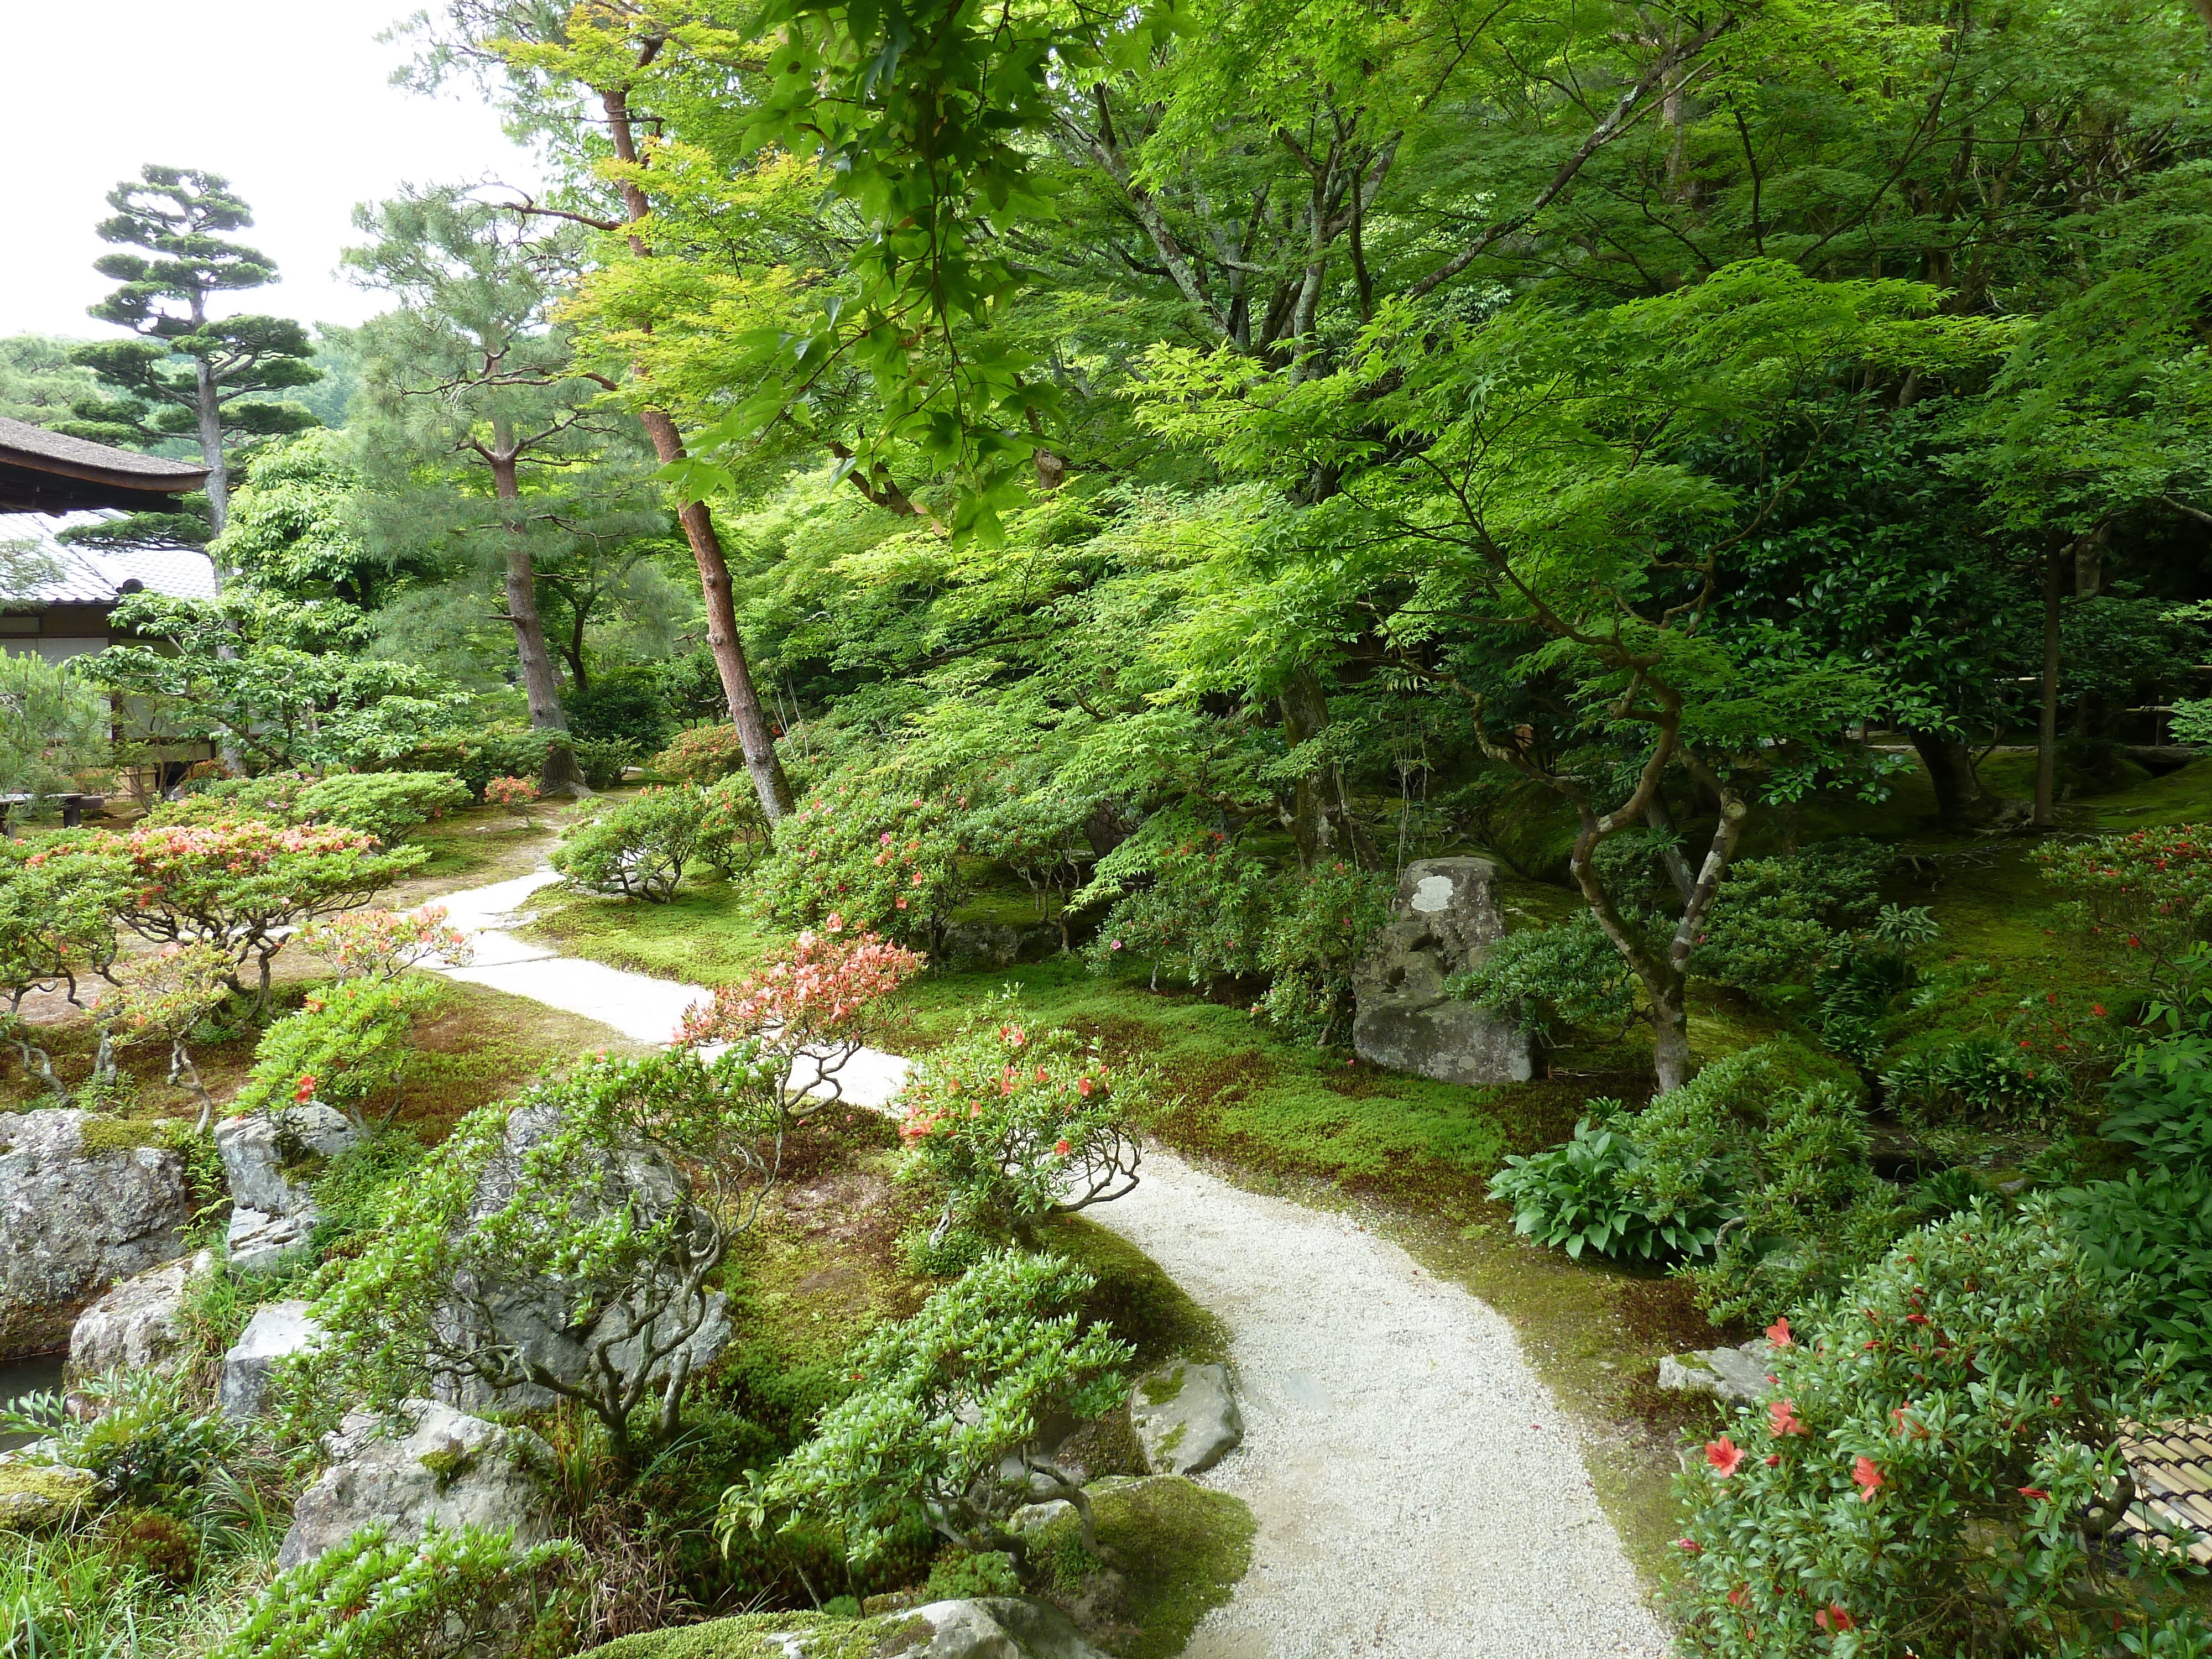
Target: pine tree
189 374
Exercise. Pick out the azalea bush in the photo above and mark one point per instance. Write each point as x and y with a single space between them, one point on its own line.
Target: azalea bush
1322 926
636 849
1937 1469
868 857
450 1594
702 754
1779 1137
733 831
1184 898
1552 979
390 805
2163 1102
1015 1124
1778 921
938 1404
1978 1080
385 943
57 905
515 794
436 743
346 1047
605 1200
2146 896
1581 1196
243 886
163 998
807 1010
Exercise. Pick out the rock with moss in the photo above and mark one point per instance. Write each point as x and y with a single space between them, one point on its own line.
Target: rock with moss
1446 917
427 1463
271 1159
1185 1417
1731 1374
1179 1552
138 1325
34 1495
85 1200
258 1243
985 1627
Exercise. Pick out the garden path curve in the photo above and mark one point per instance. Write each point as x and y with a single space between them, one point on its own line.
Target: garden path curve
1418 1491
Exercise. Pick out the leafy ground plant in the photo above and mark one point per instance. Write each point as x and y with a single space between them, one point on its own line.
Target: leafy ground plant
1581 1196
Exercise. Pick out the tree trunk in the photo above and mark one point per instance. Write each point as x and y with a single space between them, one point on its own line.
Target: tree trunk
208 407
1321 824
2055 572
745 711
1960 801
541 680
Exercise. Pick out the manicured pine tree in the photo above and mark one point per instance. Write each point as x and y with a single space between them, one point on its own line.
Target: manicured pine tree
188 374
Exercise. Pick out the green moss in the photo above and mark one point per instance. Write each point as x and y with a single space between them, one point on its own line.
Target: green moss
34 1495
746 1637
705 934
1134 1294
1182 1549
1162 1386
119 1134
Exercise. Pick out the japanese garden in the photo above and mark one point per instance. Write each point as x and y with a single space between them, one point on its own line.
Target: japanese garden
1258 830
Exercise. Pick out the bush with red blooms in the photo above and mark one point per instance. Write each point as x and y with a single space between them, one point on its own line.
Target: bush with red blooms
2146 897
1016 1123
808 1009
516 794
878 859
243 886
1937 1469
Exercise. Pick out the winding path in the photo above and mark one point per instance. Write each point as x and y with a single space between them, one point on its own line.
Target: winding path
1418 1491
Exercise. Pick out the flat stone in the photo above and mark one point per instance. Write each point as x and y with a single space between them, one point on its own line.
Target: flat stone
1185 1418
987 1627
276 1332
1732 1374
270 1159
1444 919
73 1221
134 1327
258 1243
428 1463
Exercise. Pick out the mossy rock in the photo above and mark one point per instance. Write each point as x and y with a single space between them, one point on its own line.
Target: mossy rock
1181 1551
757 1636
37 1495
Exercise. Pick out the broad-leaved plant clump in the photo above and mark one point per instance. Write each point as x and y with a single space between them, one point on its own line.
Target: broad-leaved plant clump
938 1402
1581 1195
1937 1468
1017 1123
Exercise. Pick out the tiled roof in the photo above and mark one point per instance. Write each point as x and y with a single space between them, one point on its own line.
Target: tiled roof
82 458
2172 1469
83 575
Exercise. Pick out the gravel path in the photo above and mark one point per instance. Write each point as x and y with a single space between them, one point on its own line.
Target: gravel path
1419 1492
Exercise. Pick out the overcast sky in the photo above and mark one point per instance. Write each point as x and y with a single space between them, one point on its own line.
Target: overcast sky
287 98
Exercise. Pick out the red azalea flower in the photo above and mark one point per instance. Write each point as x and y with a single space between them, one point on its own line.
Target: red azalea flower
1782 1418
1867 1478
2033 1491
305 1090
1724 1455
1833 1619
1778 1334
1739 1597
1060 1148
1691 1545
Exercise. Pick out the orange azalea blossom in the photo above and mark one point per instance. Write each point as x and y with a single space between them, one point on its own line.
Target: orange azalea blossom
1834 1619
1782 1418
1724 1455
1867 1477
305 1092
1778 1334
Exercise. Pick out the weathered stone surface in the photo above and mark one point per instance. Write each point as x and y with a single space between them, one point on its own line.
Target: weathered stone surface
537 1317
431 1463
75 1220
1032 1519
276 1332
1185 1417
135 1325
1445 918
988 1627
35 1495
969 944
258 1243
271 1158
1732 1374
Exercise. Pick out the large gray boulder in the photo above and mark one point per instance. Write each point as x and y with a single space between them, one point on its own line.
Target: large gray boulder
1445 920
539 1318
258 1243
428 1463
137 1326
987 1627
271 1159
80 1207
1185 1418
276 1332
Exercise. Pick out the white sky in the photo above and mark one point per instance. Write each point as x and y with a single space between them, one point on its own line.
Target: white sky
287 98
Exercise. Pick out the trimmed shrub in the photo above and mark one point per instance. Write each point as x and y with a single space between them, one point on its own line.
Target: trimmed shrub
388 804
865 857
637 848
475 757
701 754
342 1048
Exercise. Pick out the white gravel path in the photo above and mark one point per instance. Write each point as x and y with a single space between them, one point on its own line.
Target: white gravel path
1419 1494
